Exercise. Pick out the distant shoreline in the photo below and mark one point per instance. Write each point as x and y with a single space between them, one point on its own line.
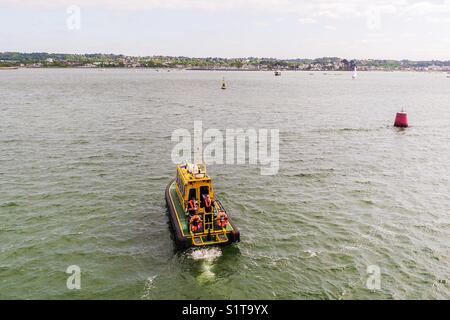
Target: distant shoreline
327 72
325 64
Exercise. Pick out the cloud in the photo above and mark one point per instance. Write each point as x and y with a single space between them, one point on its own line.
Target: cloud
426 8
307 21
438 20
261 24
356 19
307 10
210 5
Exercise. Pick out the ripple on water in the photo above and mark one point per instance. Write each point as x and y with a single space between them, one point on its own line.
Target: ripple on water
9 205
83 183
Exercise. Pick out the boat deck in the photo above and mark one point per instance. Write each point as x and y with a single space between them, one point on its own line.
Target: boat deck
181 217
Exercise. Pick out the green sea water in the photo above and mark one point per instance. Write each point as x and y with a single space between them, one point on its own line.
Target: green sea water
85 156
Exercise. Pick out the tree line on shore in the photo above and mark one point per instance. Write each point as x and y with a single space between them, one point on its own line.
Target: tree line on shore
43 59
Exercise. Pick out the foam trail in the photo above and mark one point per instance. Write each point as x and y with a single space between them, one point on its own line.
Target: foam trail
206 256
149 285
312 253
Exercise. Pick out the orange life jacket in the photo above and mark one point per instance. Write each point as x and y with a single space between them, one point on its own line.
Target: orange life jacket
192 205
207 202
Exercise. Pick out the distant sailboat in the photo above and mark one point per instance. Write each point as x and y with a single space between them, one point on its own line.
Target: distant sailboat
224 86
355 74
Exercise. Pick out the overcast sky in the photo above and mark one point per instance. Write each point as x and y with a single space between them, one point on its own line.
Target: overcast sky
397 29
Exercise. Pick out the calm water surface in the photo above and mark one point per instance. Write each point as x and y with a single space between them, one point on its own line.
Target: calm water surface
85 156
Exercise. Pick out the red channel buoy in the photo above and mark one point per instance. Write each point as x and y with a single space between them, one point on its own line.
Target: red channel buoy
401 120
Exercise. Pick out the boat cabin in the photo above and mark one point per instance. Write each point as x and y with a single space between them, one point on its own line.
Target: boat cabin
192 183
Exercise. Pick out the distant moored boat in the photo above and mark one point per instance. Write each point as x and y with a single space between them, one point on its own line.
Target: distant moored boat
355 74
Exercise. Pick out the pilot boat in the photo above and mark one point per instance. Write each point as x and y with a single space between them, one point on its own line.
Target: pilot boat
197 216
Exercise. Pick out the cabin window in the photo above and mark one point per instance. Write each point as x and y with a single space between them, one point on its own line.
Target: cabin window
192 194
180 186
203 191
179 183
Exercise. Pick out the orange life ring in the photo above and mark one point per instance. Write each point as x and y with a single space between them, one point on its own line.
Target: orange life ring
222 219
195 223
